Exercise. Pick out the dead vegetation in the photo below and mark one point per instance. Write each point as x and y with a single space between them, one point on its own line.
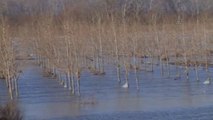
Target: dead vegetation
10 112
65 44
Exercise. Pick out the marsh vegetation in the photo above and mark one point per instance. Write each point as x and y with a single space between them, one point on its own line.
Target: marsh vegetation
10 112
122 37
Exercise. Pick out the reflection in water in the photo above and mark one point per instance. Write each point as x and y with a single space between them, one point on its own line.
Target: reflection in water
187 99
43 98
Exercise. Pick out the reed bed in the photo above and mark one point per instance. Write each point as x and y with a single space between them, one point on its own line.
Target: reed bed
67 43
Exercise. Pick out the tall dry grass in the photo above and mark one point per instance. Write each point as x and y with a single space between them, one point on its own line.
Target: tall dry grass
78 38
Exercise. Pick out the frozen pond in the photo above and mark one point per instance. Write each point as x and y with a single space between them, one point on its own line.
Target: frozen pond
102 98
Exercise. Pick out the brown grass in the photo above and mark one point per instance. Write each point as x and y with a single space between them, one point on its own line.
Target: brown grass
10 112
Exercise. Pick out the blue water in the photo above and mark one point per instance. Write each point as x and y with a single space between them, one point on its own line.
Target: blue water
102 98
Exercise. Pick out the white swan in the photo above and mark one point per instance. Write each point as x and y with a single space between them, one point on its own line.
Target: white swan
126 85
207 82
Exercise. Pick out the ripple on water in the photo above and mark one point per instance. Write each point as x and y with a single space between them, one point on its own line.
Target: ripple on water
102 98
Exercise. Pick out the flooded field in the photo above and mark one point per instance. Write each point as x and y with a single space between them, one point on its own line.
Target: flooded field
106 59
102 98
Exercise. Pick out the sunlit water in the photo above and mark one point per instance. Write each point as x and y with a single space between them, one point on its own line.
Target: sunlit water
102 98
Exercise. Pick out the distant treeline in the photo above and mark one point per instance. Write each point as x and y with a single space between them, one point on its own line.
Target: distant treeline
140 10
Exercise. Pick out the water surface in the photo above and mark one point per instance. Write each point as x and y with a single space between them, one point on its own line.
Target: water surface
102 98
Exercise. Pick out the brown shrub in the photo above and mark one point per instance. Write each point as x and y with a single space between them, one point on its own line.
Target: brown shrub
10 112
